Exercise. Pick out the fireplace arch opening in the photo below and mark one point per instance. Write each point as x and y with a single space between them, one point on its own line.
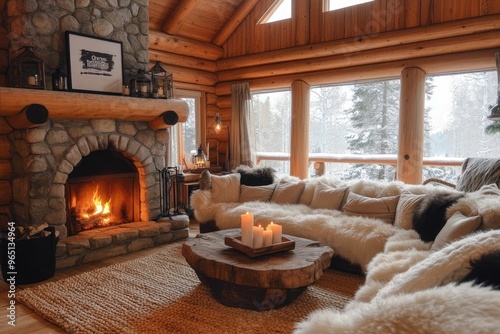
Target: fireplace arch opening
102 190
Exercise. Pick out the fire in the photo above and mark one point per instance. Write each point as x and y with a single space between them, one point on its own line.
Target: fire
99 207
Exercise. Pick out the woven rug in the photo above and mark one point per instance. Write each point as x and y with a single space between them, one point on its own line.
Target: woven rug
160 293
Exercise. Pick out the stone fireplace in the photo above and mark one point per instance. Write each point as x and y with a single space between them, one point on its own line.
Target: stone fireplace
47 184
45 158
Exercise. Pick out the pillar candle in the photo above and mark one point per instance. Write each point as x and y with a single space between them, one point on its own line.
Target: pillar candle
268 237
258 237
277 231
247 229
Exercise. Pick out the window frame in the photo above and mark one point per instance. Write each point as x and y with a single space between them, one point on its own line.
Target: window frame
196 95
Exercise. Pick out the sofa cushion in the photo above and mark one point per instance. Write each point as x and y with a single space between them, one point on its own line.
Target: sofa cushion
226 188
327 197
407 204
287 192
383 208
458 226
258 193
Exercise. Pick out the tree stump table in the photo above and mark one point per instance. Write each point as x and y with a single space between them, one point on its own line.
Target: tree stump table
258 283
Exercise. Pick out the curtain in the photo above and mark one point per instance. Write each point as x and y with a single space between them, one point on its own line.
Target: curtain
242 135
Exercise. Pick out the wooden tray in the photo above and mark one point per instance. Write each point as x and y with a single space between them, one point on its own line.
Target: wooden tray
236 243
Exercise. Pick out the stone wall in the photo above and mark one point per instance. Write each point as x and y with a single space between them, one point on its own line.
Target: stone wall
45 156
43 23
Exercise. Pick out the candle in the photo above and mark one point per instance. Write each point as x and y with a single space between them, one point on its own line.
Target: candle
277 231
258 237
247 229
32 80
144 89
268 237
160 91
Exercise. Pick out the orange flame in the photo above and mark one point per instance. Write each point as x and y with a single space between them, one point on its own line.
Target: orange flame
99 207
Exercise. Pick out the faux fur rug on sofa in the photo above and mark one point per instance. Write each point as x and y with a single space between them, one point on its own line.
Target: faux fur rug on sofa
416 291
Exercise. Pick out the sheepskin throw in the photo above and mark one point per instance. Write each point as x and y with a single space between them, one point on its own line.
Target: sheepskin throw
259 176
430 215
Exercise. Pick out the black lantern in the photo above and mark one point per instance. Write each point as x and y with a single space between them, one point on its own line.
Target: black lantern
162 82
200 158
140 85
59 80
28 71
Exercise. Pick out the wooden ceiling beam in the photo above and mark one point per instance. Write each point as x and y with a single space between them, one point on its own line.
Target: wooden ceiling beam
180 14
234 21
480 60
183 46
430 48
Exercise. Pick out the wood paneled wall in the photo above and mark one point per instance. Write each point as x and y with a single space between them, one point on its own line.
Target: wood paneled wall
375 17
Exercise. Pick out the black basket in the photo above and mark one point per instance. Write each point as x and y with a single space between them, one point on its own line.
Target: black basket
35 259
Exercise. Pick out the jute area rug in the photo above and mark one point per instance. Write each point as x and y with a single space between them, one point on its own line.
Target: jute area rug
160 293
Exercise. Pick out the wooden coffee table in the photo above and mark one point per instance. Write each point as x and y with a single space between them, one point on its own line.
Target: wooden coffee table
258 283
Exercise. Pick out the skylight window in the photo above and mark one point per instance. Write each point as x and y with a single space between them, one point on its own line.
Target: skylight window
280 10
338 4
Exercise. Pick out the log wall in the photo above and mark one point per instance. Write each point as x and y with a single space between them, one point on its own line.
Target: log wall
379 16
5 166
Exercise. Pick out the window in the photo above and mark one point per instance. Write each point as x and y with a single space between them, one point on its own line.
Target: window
280 10
355 120
457 108
338 4
186 136
272 116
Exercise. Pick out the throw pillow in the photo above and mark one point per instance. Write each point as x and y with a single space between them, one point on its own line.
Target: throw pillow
258 193
226 188
456 227
407 204
287 192
430 215
383 208
327 197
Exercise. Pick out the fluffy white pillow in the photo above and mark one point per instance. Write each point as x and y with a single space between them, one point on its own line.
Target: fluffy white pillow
383 208
226 188
256 193
458 226
327 197
287 192
404 211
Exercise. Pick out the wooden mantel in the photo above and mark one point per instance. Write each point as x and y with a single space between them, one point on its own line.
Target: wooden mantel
62 105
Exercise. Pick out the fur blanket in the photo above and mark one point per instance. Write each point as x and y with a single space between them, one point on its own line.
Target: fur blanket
446 309
356 239
415 291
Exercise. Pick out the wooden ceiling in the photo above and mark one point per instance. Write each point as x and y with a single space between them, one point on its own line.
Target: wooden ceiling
208 21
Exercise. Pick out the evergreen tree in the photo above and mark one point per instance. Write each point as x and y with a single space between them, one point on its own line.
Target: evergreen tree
375 118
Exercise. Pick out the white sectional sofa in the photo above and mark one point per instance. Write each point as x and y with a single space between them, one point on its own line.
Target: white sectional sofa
410 280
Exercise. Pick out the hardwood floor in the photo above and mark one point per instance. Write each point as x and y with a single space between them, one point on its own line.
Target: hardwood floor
28 322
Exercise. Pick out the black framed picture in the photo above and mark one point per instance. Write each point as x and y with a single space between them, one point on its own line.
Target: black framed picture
95 65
